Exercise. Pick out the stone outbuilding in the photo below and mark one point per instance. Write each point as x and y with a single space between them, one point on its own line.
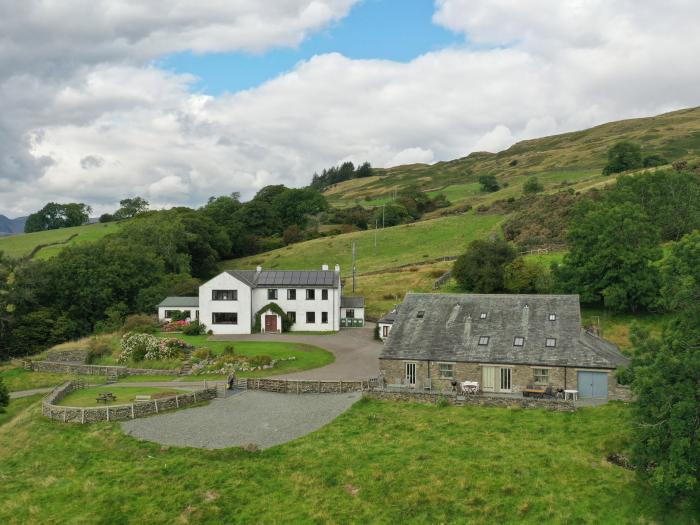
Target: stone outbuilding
506 343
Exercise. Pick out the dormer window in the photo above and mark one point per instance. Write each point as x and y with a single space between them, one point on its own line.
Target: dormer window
519 341
550 342
483 315
552 317
420 314
483 340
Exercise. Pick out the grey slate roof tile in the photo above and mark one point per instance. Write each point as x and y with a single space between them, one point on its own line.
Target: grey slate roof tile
173 302
352 301
452 324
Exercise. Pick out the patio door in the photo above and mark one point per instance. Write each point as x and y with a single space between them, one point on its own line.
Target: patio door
506 377
411 374
496 379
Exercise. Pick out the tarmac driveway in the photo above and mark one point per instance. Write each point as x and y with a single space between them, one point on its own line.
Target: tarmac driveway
356 352
251 417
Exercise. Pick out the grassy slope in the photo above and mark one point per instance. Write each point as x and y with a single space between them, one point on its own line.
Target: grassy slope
377 463
22 244
571 157
398 245
17 378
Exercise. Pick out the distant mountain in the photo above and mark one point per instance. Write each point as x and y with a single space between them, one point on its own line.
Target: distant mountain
11 226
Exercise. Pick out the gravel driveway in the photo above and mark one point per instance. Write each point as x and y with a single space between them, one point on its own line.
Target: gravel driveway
355 350
265 419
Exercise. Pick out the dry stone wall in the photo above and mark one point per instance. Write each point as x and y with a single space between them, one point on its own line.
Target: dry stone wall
72 355
52 410
558 405
96 370
285 386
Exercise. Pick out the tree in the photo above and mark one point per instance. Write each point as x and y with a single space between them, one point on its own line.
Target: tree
481 268
294 206
666 380
489 183
292 234
623 156
131 208
532 185
4 396
364 170
527 276
612 251
391 214
654 160
107 217
55 215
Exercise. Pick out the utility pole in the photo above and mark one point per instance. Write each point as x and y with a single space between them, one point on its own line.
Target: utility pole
353 267
376 226
383 206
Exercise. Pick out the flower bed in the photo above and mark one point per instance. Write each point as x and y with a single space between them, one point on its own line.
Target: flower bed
140 347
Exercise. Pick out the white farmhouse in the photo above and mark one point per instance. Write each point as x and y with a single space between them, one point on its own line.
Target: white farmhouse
243 301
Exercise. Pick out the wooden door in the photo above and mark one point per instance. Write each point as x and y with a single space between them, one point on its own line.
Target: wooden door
489 379
270 323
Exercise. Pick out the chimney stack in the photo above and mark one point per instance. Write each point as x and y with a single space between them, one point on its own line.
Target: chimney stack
337 268
324 267
258 269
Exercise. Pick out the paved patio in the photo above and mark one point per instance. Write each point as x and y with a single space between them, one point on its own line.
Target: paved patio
356 352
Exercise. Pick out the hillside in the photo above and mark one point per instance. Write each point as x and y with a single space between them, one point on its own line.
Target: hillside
571 159
11 226
51 242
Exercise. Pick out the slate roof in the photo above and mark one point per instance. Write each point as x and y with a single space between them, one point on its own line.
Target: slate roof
352 301
451 326
288 278
174 302
391 316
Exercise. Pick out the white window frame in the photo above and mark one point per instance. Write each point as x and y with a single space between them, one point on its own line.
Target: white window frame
550 342
272 294
484 340
483 315
231 295
545 375
307 317
441 372
349 313
517 339
324 315
213 314
292 316
291 292
310 294
552 317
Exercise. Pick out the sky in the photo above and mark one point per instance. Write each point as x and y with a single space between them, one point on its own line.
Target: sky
180 100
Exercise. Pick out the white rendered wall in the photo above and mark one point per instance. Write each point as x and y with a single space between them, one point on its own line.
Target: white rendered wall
301 305
225 281
358 314
381 330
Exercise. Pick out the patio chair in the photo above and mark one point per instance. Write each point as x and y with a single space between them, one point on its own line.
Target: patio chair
428 385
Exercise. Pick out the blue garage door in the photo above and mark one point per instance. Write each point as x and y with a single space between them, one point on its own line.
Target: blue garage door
593 384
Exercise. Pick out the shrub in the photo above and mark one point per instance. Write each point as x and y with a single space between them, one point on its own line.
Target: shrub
376 332
654 160
194 328
174 326
179 315
623 156
4 396
99 347
202 354
229 350
532 185
442 402
140 323
140 347
481 268
489 183
260 360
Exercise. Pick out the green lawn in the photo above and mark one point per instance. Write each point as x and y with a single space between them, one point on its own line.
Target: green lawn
17 406
22 244
307 356
377 463
398 245
87 397
17 378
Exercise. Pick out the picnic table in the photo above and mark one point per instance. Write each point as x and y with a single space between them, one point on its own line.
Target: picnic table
470 387
106 397
534 392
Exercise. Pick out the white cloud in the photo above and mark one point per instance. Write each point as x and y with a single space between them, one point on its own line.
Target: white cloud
89 90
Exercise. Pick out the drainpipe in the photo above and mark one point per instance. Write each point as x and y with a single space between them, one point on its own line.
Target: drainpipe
564 378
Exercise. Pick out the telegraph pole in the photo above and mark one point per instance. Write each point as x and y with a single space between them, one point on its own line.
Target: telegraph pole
383 206
376 226
353 267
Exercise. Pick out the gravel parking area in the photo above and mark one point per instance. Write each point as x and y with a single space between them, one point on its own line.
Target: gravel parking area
265 419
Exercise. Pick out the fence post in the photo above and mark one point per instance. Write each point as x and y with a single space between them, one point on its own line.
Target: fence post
82 416
107 413
132 411
340 386
195 397
156 402
319 387
177 401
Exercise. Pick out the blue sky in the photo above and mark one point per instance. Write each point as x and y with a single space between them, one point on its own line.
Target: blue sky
398 30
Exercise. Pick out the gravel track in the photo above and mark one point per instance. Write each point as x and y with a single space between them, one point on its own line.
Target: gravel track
264 419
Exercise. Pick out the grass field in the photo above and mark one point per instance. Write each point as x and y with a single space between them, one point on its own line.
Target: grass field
398 245
379 462
22 244
17 378
87 397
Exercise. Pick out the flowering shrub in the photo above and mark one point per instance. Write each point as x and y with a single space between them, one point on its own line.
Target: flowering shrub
139 347
229 363
175 326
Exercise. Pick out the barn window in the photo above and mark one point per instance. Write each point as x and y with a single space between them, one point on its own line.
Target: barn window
484 340
483 315
550 342
420 314
519 341
552 317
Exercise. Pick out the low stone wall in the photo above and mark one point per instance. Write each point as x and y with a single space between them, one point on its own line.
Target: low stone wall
289 386
621 393
558 405
73 355
51 410
96 370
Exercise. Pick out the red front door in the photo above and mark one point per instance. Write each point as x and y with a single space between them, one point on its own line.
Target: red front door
270 323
